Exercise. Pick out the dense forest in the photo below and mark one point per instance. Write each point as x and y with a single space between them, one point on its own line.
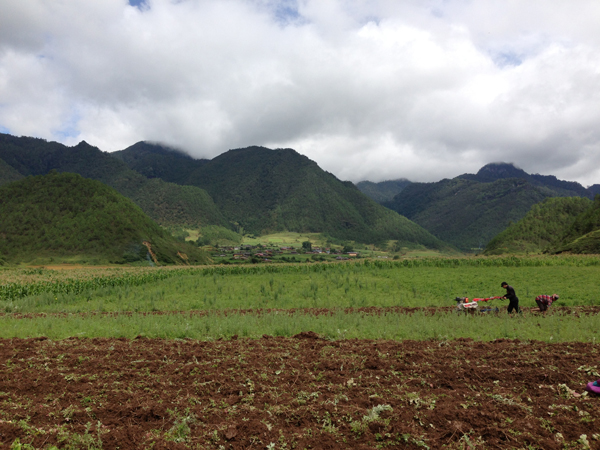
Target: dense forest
584 235
383 191
66 215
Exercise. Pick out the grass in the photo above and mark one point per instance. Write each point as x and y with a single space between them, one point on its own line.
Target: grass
286 238
318 286
339 325
410 283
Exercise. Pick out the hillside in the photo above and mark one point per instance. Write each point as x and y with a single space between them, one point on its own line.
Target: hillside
66 215
384 190
541 229
265 190
8 174
166 203
471 209
159 161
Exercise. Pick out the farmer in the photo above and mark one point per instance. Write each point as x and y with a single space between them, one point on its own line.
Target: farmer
513 303
544 301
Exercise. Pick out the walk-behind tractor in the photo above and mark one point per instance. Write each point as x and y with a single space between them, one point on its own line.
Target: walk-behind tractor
464 304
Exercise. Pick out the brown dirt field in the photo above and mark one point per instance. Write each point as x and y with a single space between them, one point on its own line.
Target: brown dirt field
300 392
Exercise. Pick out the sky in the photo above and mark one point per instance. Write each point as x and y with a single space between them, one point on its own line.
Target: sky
369 89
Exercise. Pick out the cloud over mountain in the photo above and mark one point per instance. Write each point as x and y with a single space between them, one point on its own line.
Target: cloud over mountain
368 89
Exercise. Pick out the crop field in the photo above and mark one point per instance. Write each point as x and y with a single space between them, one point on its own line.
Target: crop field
365 354
295 393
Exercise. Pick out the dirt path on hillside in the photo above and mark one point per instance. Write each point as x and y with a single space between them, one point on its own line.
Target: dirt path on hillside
300 392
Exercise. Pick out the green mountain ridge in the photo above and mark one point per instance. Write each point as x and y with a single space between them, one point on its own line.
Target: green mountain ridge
262 190
63 215
257 190
158 161
467 213
542 228
167 203
471 209
497 171
384 190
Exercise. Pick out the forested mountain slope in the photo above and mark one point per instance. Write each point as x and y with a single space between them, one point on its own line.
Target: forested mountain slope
467 213
469 210
270 190
8 174
66 215
584 235
157 161
166 203
382 191
499 171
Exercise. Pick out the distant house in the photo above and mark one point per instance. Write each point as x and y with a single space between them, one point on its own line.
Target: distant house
352 254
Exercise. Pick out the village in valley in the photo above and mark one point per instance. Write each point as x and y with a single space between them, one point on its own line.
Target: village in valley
273 253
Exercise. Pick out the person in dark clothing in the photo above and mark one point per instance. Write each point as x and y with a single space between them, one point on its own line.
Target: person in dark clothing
513 300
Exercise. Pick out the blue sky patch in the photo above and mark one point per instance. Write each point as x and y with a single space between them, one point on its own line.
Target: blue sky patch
69 128
286 11
4 130
504 59
140 4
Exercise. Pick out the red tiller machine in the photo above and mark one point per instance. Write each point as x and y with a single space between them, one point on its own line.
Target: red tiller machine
464 304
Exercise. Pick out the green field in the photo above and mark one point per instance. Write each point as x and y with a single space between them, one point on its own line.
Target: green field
367 283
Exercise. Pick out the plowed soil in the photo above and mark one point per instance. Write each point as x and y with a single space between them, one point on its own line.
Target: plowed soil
300 392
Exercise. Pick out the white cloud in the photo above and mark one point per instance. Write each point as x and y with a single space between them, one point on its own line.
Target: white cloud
368 89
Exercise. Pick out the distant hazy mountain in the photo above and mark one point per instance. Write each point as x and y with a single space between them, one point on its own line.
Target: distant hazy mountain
542 229
469 210
384 190
166 203
66 215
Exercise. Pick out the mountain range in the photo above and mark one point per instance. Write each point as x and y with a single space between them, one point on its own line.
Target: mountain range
260 190
469 210
254 190
168 204
257 190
